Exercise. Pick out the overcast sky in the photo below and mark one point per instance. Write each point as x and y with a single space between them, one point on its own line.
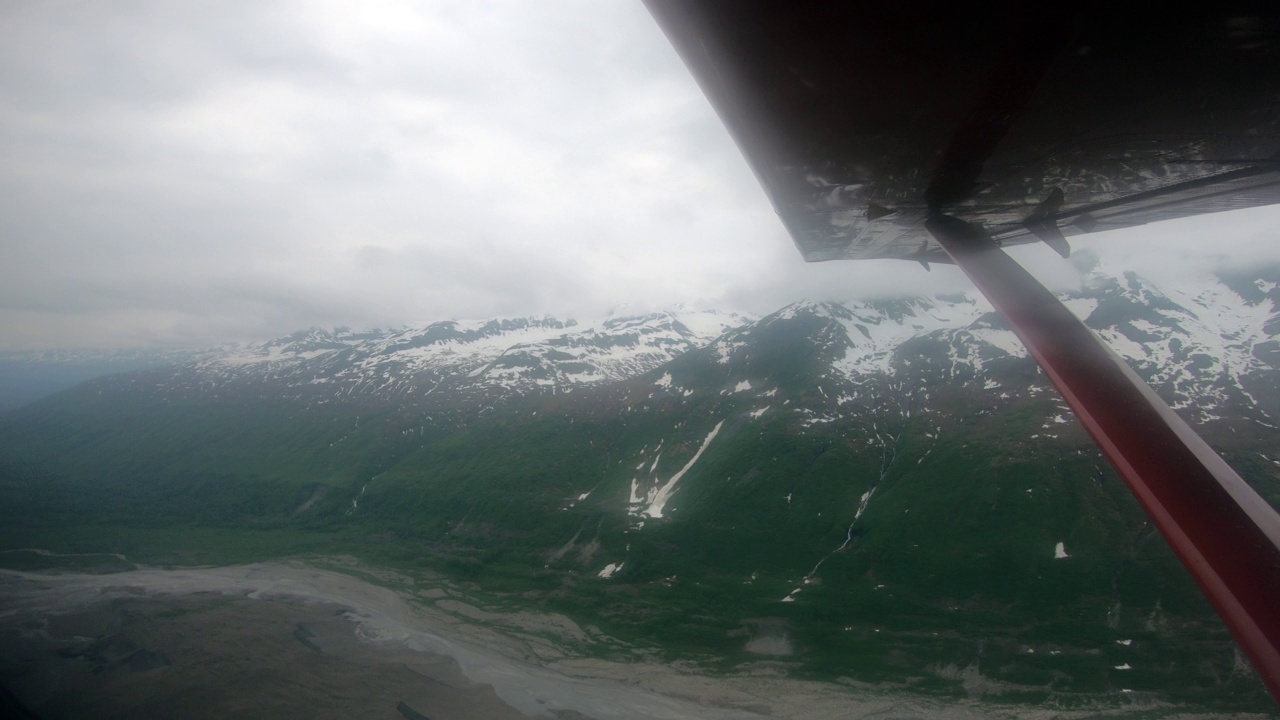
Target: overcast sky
187 173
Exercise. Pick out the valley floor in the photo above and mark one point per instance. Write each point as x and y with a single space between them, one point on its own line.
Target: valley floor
293 639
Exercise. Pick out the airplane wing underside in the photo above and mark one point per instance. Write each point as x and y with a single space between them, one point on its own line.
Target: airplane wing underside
1035 122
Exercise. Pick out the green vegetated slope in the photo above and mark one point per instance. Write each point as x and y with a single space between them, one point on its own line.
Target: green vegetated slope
937 528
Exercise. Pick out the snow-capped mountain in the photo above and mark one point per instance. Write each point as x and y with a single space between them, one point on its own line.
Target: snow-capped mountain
1205 346
1211 349
514 355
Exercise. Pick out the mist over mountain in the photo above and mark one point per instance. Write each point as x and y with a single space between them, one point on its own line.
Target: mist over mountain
891 489
31 375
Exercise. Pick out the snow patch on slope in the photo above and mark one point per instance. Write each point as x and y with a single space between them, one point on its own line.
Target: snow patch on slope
655 502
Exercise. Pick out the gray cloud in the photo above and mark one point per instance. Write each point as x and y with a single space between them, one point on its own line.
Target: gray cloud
186 173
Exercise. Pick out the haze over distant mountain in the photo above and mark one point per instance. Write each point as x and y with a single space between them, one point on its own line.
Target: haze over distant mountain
890 487
30 375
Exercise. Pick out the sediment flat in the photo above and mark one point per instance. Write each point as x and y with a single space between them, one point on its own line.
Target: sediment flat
290 639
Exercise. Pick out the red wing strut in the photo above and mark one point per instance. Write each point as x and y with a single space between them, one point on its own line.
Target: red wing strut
938 132
1221 529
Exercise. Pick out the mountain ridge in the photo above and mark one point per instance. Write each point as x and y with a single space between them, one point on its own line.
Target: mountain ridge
895 483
